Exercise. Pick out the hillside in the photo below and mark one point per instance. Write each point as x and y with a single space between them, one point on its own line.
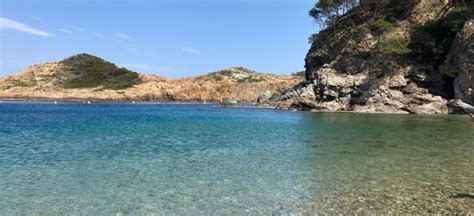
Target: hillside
86 77
409 56
79 71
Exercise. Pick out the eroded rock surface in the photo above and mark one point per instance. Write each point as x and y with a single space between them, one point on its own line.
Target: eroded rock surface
460 63
351 68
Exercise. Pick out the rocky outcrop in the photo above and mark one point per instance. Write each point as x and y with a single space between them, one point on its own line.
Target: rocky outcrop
460 63
459 107
369 61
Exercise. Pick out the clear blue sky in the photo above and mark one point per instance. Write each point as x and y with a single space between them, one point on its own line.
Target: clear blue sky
172 38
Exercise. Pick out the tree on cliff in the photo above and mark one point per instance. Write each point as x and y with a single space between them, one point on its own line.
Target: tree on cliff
325 11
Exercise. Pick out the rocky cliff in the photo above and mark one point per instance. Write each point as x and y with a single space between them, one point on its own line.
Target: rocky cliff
86 77
405 57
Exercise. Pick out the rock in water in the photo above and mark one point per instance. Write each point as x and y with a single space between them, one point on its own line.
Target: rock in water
459 107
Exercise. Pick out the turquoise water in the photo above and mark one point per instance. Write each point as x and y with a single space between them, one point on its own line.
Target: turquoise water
184 159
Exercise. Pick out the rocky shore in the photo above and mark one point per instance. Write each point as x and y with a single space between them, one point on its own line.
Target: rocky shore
401 58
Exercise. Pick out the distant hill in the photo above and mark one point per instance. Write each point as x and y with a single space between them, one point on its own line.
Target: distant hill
78 71
87 77
90 71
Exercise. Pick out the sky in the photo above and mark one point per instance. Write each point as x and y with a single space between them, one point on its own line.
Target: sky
171 38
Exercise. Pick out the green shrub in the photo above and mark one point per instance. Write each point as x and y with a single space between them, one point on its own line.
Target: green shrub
94 72
218 77
361 30
250 79
397 46
461 10
431 42
19 83
299 74
312 38
381 27
434 7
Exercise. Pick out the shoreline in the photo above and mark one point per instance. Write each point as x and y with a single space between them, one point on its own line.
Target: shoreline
115 101
240 105
69 100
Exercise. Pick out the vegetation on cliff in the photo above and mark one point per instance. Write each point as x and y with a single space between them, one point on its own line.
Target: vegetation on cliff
387 56
432 41
430 36
326 11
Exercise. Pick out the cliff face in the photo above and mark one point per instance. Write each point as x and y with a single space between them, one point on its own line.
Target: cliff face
405 57
86 77
459 64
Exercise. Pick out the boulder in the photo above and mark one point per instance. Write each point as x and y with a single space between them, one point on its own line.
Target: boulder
265 96
459 107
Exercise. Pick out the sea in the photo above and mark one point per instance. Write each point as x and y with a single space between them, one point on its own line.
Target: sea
71 158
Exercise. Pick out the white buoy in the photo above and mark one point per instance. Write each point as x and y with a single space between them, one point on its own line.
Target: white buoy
133 102
88 102
55 102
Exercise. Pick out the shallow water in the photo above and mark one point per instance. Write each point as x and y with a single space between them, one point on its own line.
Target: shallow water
71 158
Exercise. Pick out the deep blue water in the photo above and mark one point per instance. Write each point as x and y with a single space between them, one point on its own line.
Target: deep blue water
117 158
